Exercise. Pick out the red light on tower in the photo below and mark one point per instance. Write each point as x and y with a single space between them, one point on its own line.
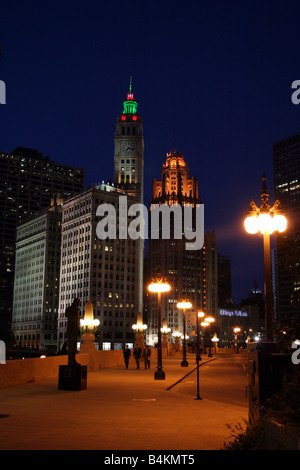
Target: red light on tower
123 118
134 118
130 96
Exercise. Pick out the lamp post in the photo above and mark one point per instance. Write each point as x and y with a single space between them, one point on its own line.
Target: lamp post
266 220
215 340
209 320
139 329
177 335
184 304
159 285
88 325
204 324
198 358
165 331
237 330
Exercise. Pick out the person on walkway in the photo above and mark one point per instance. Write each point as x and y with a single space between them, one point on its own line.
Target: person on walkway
126 354
137 355
146 356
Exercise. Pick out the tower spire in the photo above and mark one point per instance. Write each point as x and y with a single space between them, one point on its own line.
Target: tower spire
130 105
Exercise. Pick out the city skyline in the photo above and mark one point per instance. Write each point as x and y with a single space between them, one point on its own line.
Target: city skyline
211 81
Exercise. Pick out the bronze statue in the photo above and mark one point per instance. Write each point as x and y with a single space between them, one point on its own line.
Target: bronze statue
73 330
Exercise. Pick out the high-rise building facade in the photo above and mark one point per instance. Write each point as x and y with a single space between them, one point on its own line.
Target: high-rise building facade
28 181
224 281
103 271
286 159
36 282
129 164
108 272
187 271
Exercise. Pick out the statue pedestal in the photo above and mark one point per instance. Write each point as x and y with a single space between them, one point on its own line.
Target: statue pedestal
87 345
72 377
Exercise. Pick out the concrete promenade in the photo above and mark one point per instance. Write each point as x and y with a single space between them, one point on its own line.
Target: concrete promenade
129 410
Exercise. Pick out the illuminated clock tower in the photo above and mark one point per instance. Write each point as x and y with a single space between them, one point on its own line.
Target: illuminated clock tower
129 149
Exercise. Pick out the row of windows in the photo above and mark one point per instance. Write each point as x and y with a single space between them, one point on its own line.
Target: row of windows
126 130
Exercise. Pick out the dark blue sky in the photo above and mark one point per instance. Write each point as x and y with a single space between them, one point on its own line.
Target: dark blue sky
217 75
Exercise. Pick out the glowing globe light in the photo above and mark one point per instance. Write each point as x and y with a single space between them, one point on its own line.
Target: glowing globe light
88 321
209 319
265 223
159 287
251 224
279 223
184 304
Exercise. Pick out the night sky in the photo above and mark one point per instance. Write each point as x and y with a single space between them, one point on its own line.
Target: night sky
214 75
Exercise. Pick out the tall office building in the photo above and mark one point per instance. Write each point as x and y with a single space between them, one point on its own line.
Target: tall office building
28 181
192 274
104 271
107 272
36 283
286 158
129 165
224 281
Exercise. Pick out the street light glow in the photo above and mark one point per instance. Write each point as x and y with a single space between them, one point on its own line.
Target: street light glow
184 304
159 287
266 220
139 327
209 319
280 222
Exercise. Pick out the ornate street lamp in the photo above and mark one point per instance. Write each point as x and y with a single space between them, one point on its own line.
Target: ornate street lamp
266 220
165 331
184 304
158 285
139 329
198 358
177 335
209 320
237 331
88 325
215 340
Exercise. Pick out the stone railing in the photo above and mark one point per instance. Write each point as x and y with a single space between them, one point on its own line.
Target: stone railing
22 371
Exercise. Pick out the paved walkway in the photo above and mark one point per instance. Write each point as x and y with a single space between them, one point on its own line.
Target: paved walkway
129 410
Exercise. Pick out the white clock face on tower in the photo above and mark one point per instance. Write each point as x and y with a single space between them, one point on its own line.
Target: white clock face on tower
128 148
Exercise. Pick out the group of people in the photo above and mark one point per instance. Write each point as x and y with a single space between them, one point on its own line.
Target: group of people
137 354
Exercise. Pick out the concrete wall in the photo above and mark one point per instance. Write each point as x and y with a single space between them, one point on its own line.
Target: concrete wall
22 371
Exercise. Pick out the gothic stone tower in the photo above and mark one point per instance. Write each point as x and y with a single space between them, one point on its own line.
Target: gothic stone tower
129 149
183 268
129 166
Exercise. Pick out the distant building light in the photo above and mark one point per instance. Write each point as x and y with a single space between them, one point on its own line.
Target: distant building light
231 313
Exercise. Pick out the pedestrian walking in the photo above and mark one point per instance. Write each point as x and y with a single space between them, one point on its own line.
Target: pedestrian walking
146 356
137 352
126 354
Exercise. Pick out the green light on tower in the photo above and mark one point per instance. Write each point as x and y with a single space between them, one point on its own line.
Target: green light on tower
130 105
